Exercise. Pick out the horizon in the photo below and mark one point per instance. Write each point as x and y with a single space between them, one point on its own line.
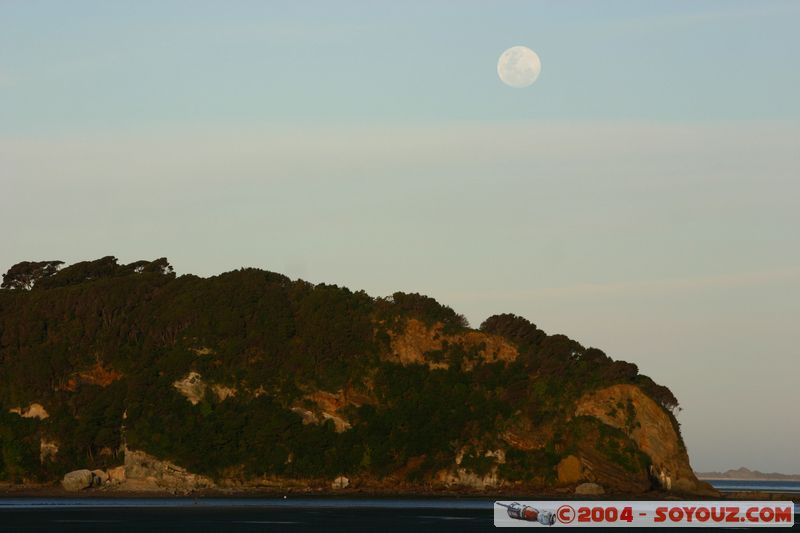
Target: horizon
639 197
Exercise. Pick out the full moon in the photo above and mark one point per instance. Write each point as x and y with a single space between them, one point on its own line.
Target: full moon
519 66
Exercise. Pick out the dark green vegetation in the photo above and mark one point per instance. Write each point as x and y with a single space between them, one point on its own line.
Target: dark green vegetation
96 340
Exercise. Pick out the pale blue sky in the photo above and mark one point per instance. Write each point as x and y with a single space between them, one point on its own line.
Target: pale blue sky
640 197
97 65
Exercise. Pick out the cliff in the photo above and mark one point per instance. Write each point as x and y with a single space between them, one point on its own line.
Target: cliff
250 379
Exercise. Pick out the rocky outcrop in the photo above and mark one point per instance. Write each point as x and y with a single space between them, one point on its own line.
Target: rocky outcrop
192 387
48 450
462 477
100 477
598 467
416 343
589 489
162 474
522 434
97 374
319 406
627 408
77 480
340 482
569 470
34 410
116 475
100 375
222 392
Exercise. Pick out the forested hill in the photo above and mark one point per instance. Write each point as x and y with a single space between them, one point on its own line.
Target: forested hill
249 375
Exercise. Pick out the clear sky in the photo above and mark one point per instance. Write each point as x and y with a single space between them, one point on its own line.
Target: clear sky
641 196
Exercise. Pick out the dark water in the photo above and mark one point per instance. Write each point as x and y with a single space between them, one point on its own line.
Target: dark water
207 514
248 514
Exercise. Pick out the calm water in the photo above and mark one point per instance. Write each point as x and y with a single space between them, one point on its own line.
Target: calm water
210 514
247 514
732 485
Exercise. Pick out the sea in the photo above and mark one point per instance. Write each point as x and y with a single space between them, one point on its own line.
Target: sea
292 514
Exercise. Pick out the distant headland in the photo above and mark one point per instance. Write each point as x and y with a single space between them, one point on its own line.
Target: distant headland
746 473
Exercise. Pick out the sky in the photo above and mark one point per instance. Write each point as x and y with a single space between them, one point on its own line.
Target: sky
640 197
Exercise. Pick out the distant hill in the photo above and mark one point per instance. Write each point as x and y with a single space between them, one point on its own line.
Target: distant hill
250 379
746 473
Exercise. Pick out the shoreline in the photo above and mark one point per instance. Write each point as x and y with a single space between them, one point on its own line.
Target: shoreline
56 492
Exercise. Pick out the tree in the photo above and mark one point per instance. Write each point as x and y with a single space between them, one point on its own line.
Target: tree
158 266
24 275
427 309
514 327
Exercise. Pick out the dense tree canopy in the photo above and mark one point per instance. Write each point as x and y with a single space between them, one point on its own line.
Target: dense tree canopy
26 274
98 339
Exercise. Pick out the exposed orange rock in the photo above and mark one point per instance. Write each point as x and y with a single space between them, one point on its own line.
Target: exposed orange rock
192 387
570 470
99 375
522 435
417 339
627 408
48 450
596 467
326 407
328 401
222 392
319 406
34 410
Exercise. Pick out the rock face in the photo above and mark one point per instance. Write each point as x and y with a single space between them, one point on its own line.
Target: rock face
116 474
99 375
570 470
192 387
163 474
48 450
627 408
589 489
34 410
319 406
525 435
412 345
222 392
461 477
77 480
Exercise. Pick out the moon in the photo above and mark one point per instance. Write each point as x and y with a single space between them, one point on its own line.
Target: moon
518 67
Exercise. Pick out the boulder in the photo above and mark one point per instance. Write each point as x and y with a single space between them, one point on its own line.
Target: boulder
77 480
116 474
569 470
340 482
100 477
589 489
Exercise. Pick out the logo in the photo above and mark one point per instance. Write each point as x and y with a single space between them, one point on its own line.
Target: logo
592 513
566 514
517 511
